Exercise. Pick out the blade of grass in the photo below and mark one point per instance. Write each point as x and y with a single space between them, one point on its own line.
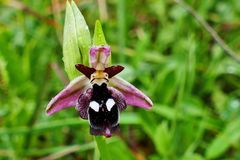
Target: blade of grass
121 28
224 140
227 50
60 150
126 119
68 150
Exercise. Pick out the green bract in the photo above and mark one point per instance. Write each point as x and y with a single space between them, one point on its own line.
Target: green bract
76 40
98 37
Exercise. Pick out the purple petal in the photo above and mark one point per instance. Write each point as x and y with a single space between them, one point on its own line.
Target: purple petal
99 54
68 96
113 70
132 95
87 71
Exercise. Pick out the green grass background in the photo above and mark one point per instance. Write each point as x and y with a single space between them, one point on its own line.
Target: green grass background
194 85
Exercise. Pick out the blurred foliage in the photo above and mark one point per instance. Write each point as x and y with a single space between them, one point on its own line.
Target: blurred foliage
167 54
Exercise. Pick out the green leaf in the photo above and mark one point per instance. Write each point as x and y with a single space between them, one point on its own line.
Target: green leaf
167 112
224 140
83 34
148 123
118 147
162 139
98 37
76 40
58 150
4 78
71 54
192 156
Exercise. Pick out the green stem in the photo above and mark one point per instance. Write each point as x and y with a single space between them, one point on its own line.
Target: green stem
102 147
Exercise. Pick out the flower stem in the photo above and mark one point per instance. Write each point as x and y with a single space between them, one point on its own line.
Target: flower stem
102 147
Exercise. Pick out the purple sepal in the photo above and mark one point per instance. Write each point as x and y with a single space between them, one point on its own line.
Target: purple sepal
133 96
99 54
68 96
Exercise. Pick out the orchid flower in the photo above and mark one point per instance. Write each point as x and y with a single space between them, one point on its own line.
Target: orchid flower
99 95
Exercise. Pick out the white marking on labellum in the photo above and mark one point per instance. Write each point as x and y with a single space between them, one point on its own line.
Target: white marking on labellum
94 105
110 103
